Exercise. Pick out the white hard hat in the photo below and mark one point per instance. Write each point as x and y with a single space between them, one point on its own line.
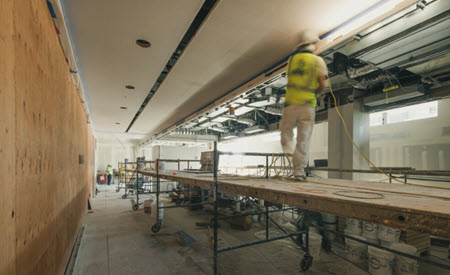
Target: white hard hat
307 37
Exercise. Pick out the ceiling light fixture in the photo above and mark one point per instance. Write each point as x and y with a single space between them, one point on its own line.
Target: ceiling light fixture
123 108
370 14
143 43
255 129
229 136
117 123
130 87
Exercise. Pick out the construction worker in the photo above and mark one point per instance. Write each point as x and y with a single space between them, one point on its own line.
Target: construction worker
109 172
306 80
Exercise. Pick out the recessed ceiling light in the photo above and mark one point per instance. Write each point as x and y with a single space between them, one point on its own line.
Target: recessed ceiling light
117 123
143 43
130 87
124 108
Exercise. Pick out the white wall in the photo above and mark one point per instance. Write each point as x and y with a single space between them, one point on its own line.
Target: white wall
110 153
145 152
180 152
419 144
270 143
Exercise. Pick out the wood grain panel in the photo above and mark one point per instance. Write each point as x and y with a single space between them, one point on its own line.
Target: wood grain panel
43 132
414 208
7 130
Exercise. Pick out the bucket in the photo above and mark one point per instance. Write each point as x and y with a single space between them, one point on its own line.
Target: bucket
328 218
380 261
374 241
356 251
331 236
404 265
370 230
388 234
314 228
353 226
315 245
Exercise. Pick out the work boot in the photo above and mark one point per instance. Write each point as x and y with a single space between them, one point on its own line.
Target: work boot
300 178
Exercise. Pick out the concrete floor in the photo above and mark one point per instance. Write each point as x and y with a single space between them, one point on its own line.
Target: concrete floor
118 240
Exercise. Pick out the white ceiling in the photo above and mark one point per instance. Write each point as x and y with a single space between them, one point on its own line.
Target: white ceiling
104 34
237 41
118 138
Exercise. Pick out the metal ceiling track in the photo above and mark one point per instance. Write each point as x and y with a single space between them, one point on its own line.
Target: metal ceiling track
195 26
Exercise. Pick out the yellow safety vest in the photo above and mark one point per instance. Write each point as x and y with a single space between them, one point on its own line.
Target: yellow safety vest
303 73
109 170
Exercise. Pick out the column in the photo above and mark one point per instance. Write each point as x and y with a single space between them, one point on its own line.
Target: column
341 152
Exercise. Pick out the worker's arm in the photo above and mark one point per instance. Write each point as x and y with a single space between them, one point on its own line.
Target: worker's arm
321 86
322 73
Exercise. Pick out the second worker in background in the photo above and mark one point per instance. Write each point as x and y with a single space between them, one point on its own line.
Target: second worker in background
306 80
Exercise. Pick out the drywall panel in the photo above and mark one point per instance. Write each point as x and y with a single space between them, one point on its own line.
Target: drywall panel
7 157
104 34
46 144
113 154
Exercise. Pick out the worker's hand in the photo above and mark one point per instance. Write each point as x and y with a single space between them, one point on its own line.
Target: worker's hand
321 96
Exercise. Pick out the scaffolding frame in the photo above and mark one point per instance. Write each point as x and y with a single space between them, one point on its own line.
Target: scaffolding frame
306 261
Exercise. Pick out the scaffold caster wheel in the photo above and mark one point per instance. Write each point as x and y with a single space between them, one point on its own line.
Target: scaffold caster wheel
156 227
117 190
306 262
124 196
135 207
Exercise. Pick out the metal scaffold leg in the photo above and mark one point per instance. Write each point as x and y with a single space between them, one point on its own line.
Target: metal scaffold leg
157 226
306 261
216 159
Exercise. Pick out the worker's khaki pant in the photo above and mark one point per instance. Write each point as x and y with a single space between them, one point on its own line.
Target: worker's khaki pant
302 117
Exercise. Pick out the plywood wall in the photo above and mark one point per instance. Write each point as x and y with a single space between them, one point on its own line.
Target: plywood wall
43 133
7 134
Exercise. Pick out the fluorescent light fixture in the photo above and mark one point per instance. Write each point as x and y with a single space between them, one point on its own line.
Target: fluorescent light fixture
218 129
229 136
217 112
242 110
260 103
255 129
220 119
382 8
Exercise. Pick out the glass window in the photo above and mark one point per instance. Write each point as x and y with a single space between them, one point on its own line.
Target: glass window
415 112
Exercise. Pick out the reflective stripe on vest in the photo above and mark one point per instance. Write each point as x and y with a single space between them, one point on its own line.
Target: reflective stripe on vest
303 74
